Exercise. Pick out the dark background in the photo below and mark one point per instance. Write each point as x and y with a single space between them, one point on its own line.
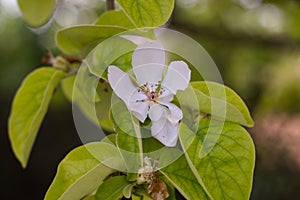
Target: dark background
254 43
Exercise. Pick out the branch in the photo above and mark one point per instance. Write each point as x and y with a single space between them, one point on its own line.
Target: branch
110 4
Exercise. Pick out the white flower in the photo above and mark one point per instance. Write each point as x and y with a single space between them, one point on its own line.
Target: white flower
154 93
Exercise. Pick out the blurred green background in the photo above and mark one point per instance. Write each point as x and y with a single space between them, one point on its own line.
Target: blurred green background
255 44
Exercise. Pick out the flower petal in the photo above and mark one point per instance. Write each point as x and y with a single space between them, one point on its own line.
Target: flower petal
168 134
166 96
178 76
138 96
139 110
156 112
175 113
148 62
161 128
120 83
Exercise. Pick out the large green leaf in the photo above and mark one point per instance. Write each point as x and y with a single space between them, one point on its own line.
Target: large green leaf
112 189
145 13
183 179
81 39
29 108
221 102
83 170
36 12
115 18
226 171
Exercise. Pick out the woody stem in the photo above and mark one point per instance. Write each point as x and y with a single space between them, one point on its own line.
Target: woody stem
110 4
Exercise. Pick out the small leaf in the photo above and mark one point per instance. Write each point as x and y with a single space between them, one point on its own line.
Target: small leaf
103 106
112 188
115 18
145 13
36 12
67 87
93 98
136 197
92 197
127 190
83 170
183 179
113 51
227 169
221 101
81 39
111 138
140 194
86 83
29 108
128 137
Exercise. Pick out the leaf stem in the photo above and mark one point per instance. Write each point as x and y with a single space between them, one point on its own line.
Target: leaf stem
110 4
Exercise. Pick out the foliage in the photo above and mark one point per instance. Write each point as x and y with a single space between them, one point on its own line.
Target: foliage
216 160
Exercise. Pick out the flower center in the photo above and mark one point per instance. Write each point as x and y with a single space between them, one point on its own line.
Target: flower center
152 90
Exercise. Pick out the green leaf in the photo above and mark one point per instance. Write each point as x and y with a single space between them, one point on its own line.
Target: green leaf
155 150
85 102
113 51
141 194
92 197
67 87
145 13
115 18
103 106
127 190
111 139
112 189
87 85
226 171
83 170
128 137
29 108
36 12
183 179
81 39
91 96
221 102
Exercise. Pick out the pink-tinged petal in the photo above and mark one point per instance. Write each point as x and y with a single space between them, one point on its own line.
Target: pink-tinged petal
178 76
138 40
167 135
120 83
139 110
148 62
174 113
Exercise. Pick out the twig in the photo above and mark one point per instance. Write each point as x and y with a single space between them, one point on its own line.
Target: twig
110 4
